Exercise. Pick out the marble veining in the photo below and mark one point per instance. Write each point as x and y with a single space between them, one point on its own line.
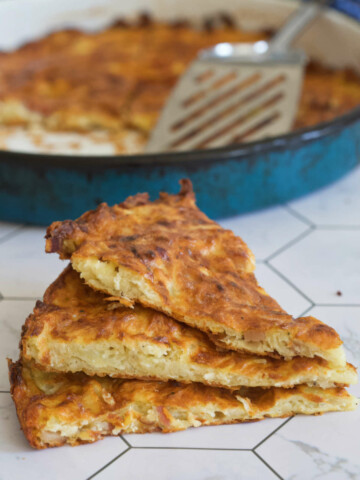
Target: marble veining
326 463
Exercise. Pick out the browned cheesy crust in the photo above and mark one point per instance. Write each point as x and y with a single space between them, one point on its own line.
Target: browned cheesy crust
170 256
78 329
57 409
119 79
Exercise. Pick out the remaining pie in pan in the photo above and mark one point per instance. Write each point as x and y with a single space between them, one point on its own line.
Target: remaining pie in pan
119 79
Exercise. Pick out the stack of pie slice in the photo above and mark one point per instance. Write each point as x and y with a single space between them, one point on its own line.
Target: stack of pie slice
158 324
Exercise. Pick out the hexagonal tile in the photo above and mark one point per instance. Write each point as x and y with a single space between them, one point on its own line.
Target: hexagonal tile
346 321
320 447
6 228
338 204
25 269
291 300
12 316
324 263
267 230
186 464
18 460
242 436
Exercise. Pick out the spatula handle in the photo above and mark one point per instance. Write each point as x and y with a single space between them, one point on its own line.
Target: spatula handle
296 24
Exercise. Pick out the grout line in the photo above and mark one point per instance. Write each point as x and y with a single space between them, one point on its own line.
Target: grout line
4 391
195 448
305 220
292 242
109 463
337 304
11 234
272 433
338 227
298 215
125 441
290 283
268 466
307 310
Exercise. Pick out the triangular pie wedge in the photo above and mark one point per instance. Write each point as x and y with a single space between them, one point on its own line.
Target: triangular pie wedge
57 409
77 329
170 256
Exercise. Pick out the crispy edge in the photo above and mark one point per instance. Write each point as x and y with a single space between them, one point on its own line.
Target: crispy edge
25 400
256 404
58 233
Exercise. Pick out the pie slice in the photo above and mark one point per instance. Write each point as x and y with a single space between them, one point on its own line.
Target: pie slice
77 329
57 409
170 256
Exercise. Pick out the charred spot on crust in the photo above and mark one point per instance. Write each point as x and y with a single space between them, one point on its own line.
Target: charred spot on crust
54 245
128 238
120 23
15 374
161 239
322 328
209 24
227 20
163 253
220 287
36 329
57 232
164 223
135 201
144 19
180 23
186 189
135 252
83 227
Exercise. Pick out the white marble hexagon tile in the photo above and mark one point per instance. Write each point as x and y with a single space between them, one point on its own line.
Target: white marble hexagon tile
308 255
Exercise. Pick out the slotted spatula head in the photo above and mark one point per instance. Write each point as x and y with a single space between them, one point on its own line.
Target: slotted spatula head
235 93
215 105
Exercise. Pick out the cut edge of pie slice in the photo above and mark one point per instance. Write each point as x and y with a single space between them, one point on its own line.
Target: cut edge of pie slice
170 256
57 409
76 328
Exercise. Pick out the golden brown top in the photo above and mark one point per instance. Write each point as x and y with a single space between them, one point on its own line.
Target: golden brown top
43 399
201 273
73 312
121 77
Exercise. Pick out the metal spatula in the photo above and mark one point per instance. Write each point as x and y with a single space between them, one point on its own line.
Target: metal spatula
236 92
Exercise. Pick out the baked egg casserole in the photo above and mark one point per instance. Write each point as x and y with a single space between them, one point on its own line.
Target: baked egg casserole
118 80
